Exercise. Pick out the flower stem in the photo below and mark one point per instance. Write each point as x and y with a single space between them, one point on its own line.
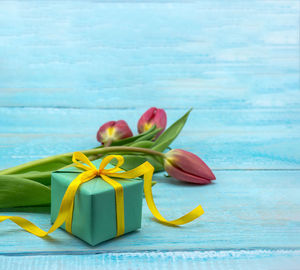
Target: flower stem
67 157
123 149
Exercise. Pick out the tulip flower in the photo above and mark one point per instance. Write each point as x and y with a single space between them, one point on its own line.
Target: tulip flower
153 116
187 167
113 131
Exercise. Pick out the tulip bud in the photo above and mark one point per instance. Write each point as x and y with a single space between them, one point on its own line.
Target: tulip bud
187 167
113 131
151 117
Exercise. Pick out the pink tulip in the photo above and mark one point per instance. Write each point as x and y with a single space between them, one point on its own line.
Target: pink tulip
113 131
187 167
151 117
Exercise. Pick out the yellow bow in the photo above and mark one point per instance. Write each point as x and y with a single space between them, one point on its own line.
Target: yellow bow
65 213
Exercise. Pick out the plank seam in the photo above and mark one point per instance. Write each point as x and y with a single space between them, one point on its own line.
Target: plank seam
204 253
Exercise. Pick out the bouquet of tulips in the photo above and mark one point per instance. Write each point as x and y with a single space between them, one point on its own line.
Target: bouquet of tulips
29 184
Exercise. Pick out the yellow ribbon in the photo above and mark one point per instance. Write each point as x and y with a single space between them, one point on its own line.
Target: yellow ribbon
65 213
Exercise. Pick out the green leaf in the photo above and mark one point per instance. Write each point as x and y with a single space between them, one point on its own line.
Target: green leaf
40 177
131 161
40 170
17 191
142 144
148 135
158 165
167 137
52 163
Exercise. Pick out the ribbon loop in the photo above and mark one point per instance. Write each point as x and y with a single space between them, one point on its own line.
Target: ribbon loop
107 160
65 213
79 156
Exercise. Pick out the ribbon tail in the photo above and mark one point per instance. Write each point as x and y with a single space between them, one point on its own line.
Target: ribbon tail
146 169
195 213
26 225
65 213
32 228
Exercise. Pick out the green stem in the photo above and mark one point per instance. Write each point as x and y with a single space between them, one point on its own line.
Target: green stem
94 151
123 149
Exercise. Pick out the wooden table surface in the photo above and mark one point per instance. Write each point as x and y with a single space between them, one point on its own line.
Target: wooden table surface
66 67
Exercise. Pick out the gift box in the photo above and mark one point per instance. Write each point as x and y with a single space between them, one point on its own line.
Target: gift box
94 213
100 201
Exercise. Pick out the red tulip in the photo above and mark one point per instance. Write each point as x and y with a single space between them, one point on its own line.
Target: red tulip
153 116
113 131
187 167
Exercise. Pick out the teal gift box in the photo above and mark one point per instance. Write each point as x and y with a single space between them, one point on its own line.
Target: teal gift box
94 213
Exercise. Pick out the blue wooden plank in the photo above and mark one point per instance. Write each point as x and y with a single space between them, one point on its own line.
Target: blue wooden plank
207 260
243 210
208 54
237 63
225 139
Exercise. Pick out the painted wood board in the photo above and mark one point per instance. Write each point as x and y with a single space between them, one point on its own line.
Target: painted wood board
244 210
91 54
225 139
206 260
236 63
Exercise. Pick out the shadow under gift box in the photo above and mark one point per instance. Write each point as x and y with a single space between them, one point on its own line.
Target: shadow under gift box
94 214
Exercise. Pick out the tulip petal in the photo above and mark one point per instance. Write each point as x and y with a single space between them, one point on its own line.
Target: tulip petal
184 176
114 130
161 120
105 126
145 118
149 114
103 129
123 129
190 163
151 117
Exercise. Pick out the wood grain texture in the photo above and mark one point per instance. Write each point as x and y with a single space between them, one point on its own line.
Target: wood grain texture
225 139
254 209
207 54
207 260
68 66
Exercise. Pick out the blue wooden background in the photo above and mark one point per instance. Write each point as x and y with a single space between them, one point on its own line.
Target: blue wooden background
66 67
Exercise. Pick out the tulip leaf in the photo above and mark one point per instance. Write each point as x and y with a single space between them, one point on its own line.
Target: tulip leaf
167 137
16 191
148 135
40 177
142 144
52 163
40 170
158 165
132 161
